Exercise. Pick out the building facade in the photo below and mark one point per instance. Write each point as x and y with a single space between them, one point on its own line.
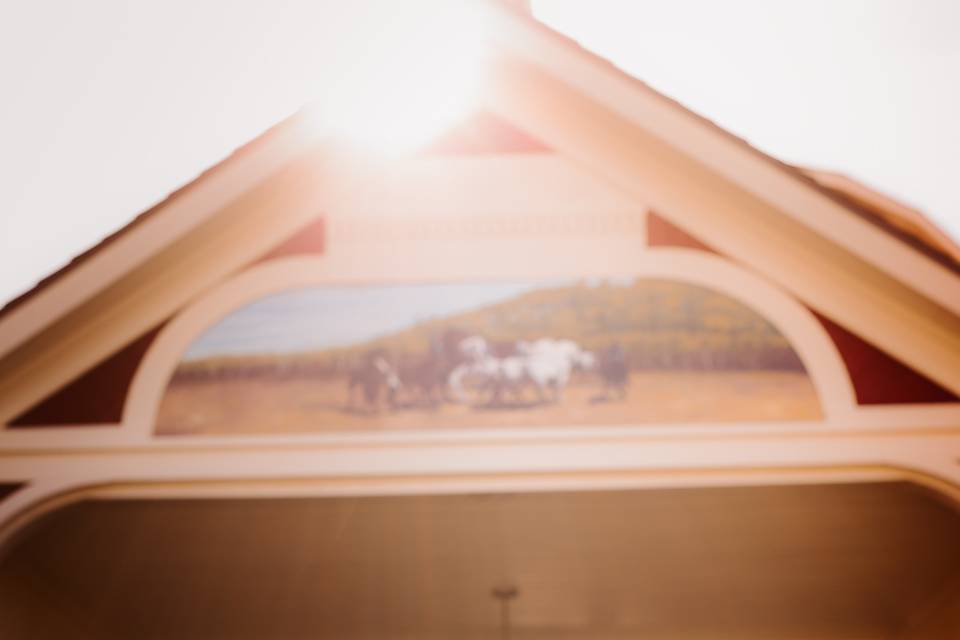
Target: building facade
585 366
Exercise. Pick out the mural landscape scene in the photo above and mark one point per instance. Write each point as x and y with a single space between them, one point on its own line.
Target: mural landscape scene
513 354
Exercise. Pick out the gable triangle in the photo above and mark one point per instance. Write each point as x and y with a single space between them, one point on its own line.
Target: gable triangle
485 133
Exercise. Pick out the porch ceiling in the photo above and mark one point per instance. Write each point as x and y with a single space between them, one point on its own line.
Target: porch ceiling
839 561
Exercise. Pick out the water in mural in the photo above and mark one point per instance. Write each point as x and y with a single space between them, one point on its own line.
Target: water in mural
558 353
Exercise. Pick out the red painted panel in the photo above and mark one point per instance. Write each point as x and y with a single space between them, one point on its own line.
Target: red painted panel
879 378
96 396
311 239
661 233
7 488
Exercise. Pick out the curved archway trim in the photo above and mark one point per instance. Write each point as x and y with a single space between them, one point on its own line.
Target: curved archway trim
793 320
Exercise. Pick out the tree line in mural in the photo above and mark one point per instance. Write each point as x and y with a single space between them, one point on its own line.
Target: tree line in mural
659 326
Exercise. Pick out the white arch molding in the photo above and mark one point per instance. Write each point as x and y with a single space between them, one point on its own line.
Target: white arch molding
797 324
39 498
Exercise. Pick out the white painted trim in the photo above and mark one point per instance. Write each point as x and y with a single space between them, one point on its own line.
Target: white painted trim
352 266
610 244
39 497
494 186
507 467
889 421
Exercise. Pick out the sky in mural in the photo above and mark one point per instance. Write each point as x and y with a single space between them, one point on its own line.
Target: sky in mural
317 318
324 317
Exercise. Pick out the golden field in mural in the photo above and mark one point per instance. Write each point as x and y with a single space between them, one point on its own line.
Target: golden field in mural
486 355
263 406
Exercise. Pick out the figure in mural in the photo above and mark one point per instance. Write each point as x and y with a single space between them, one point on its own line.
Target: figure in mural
614 371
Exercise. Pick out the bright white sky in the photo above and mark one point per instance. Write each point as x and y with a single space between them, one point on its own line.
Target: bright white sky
111 104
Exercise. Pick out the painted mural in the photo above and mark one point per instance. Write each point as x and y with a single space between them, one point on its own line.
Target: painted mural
454 356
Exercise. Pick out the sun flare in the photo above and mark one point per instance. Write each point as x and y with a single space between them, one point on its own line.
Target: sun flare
415 72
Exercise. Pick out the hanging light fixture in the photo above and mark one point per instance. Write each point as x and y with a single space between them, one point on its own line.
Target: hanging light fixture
505 594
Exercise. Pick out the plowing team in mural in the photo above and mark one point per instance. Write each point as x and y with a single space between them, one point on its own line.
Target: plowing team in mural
470 369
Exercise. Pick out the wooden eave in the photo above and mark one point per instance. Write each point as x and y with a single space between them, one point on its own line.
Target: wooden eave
898 218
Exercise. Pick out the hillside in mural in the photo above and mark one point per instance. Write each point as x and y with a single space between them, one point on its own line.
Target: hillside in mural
472 355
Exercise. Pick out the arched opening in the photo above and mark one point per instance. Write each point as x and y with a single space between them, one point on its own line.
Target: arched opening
857 560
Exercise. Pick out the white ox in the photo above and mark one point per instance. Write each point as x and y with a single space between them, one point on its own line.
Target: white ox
546 363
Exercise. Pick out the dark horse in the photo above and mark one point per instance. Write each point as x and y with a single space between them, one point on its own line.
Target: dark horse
614 369
371 378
